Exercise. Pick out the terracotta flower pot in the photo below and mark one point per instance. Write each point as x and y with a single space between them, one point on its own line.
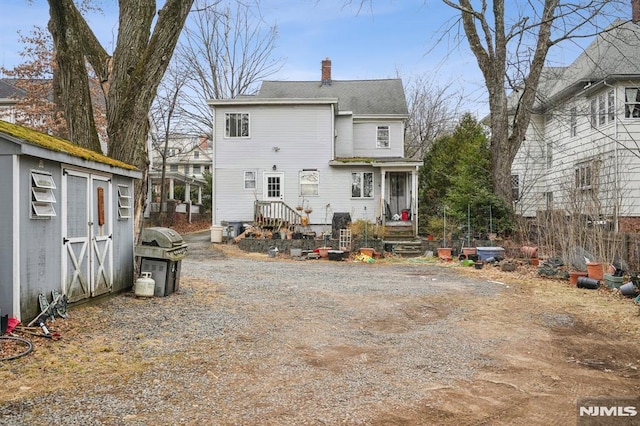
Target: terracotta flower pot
574 275
595 270
469 250
324 251
444 253
368 251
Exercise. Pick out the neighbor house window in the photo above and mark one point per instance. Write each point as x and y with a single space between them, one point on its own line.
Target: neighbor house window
549 154
196 154
249 180
196 169
586 175
515 187
236 125
124 202
173 167
382 138
362 185
602 109
549 200
631 103
42 197
309 180
573 122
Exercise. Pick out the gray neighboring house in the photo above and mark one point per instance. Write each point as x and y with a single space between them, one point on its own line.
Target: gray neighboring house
582 148
66 220
9 95
319 147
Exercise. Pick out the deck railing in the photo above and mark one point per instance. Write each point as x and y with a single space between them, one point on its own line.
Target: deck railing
275 215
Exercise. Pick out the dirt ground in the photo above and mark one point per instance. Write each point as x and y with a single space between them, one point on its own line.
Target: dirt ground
558 343
571 344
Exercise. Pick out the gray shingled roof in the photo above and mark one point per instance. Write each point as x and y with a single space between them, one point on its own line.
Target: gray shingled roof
362 97
614 53
9 91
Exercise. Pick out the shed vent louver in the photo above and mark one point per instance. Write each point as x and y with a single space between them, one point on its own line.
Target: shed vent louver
42 197
124 202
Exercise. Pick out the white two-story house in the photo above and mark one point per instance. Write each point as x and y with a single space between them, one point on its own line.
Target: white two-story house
582 149
316 148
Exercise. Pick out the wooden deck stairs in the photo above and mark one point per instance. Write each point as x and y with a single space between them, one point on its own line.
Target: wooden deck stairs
400 238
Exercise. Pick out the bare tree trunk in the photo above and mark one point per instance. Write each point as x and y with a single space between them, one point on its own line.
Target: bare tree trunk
72 79
129 79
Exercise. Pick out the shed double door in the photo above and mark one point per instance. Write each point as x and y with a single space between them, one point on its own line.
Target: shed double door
87 234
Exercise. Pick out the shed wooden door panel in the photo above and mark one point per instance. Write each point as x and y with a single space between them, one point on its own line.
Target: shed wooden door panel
101 236
77 276
87 235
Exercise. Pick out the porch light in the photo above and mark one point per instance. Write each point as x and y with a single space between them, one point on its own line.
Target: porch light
274 168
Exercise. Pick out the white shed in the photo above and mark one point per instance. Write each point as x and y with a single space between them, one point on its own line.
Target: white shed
66 221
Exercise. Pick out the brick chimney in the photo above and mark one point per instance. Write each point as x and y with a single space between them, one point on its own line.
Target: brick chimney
326 69
635 11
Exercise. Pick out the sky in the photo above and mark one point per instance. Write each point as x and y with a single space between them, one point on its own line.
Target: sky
382 39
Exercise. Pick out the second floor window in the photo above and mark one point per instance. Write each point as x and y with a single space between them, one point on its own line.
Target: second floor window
173 167
196 169
236 125
602 109
573 122
362 185
382 137
631 103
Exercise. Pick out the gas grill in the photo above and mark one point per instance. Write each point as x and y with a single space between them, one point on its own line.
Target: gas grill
161 243
161 252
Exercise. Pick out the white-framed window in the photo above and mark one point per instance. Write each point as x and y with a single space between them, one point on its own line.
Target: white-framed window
249 180
309 181
124 202
573 122
173 167
586 175
632 102
42 196
602 109
549 154
362 185
236 125
196 169
196 154
382 137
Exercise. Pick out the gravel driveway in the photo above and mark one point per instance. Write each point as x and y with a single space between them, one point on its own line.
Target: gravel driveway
251 340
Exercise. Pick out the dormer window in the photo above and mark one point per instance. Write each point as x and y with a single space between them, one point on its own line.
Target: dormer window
382 137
